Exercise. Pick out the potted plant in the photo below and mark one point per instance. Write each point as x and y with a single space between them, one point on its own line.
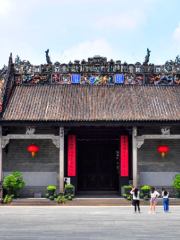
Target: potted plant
146 189
125 196
51 197
5 199
129 197
63 200
9 199
70 198
69 188
176 183
17 195
146 198
127 189
141 195
58 199
47 195
51 190
12 196
13 182
176 195
72 195
55 195
66 196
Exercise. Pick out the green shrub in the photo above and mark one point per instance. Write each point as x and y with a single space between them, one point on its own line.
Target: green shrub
66 196
51 188
145 188
13 181
127 187
141 195
17 195
176 183
47 194
69 197
146 196
51 197
69 186
9 199
129 197
55 195
124 195
177 194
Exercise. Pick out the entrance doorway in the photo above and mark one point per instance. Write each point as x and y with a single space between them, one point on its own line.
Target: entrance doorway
97 164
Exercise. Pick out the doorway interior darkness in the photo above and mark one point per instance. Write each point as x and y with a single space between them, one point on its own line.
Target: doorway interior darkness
98 163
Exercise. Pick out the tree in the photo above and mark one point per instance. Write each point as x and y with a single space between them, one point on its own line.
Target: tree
13 181
176 183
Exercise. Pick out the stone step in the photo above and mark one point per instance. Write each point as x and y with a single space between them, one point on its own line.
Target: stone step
86 202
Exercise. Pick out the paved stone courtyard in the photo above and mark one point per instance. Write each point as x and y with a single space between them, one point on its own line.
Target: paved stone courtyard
91 223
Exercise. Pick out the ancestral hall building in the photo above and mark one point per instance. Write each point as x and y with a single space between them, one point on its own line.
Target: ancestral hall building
98 122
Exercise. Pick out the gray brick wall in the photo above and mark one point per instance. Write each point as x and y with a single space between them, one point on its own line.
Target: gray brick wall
18 158
150 160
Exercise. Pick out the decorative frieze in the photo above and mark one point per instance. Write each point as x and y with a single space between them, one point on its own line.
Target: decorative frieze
165 131
55 139
140 139
97 70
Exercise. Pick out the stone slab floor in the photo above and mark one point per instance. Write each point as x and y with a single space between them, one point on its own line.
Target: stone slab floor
91 223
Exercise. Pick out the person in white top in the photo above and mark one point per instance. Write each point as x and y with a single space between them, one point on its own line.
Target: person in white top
153 201
165 195
135 194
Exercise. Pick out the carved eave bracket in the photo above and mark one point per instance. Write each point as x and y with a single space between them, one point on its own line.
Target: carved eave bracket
4 142
140 141
56 142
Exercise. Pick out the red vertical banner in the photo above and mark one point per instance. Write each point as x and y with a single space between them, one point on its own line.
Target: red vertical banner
124 157
71 155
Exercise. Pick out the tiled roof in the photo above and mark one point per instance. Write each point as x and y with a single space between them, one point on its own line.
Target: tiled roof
94 103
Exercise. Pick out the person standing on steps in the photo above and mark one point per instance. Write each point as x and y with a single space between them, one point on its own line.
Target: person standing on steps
153 201
165 196
135 194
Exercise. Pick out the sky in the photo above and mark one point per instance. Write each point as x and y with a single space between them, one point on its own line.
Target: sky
78 29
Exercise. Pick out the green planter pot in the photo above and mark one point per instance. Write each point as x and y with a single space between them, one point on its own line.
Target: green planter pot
127 191
69 190
51 192
176 196
145 192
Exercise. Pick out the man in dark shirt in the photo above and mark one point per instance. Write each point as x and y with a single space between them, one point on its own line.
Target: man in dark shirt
65 182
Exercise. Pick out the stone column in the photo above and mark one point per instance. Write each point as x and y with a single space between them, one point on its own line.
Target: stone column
1 190
134 152
61 160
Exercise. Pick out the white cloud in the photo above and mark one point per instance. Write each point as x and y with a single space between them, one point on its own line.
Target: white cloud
5 6
126 20
176 36
87 49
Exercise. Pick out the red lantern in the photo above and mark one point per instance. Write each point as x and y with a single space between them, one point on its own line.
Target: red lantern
163 149
33 148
